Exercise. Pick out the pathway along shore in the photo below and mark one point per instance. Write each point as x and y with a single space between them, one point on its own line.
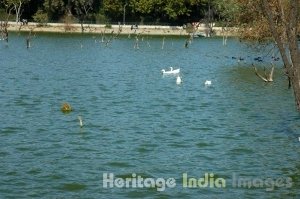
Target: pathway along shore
122 29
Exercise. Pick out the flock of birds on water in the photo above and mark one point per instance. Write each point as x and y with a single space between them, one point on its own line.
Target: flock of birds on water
176 72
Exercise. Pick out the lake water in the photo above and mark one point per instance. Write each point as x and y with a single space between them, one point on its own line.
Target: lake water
138 122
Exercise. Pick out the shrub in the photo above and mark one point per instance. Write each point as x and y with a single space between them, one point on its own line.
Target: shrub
68 20
108 25
189 28
101 19
40 17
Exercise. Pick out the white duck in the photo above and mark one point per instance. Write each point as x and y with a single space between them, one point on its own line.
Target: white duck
207 82
171 71
178 80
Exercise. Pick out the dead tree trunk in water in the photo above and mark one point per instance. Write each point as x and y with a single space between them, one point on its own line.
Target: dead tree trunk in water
28 39
4 25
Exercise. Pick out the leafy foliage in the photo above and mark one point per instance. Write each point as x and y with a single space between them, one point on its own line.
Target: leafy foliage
170 11
40 17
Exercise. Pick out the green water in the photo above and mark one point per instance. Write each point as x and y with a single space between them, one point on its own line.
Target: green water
137 121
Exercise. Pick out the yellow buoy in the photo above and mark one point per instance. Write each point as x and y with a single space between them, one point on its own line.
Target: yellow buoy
66 108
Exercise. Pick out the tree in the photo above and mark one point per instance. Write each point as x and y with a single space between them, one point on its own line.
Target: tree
41 17
169 10
176 8
82 8
54 8
17 6
278 20
225 10
4 24
113 8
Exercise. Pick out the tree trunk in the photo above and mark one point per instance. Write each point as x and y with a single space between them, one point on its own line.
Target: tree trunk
296 87
17 13
291 31
82 28
17 7
287 41
295 78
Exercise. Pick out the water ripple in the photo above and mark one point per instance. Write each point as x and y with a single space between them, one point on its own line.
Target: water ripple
138 121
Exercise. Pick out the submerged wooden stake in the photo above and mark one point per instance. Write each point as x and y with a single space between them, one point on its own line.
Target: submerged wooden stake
80 121
163 43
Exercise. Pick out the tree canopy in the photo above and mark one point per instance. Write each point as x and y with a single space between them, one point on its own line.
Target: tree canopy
274 21
137 11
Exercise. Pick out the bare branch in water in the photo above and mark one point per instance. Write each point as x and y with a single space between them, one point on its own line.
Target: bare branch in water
266 77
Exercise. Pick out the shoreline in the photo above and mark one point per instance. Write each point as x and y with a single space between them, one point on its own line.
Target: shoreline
116 29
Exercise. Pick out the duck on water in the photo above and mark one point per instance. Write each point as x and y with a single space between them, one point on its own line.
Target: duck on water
171 71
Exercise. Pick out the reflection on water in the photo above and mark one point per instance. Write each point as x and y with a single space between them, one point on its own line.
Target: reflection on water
138 121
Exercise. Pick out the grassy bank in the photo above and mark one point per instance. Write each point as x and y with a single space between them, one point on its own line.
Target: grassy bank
116 29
